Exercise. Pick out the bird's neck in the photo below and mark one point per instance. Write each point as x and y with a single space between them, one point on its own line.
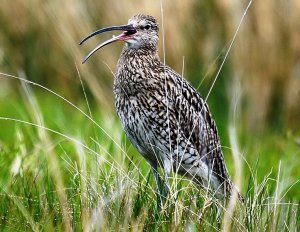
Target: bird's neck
135 69
135 62
144 55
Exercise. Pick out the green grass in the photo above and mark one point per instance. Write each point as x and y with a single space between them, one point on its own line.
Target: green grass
66 168
63 170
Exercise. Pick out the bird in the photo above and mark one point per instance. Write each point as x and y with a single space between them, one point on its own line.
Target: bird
162 114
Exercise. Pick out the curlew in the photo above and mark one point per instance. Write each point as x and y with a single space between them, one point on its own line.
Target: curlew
164 117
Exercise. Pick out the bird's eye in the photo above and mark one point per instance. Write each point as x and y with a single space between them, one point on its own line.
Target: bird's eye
147 27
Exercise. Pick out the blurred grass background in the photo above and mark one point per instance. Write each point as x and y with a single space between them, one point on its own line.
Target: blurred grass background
258 89
41 39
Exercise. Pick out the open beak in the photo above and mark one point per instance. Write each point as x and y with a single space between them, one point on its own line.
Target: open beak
128 31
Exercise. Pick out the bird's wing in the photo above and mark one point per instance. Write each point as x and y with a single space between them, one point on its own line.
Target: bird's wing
194 119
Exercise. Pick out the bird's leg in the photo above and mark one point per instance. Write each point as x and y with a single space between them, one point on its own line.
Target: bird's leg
167 171
158 181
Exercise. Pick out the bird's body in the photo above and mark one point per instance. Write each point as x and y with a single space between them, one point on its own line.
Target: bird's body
164 117
167 121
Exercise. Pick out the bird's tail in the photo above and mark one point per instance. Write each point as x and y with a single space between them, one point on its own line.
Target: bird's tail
222 191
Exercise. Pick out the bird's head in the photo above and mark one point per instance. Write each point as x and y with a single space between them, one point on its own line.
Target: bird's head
141 32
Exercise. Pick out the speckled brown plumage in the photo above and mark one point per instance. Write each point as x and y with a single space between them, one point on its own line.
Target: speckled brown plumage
164 117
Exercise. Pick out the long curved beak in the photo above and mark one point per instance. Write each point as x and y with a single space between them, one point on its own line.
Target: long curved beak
128 31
